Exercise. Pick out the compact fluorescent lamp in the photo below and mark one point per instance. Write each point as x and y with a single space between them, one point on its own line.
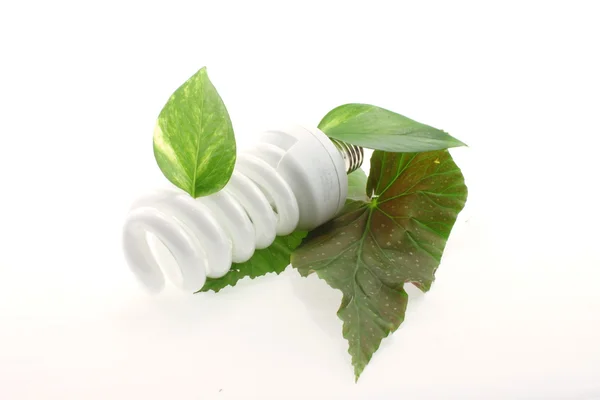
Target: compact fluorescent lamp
295 178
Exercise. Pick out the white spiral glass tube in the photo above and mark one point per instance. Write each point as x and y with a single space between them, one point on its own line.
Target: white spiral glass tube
293 178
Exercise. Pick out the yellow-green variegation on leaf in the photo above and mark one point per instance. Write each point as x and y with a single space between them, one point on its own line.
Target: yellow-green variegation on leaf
194 144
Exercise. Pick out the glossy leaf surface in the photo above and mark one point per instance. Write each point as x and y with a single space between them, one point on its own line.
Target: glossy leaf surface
194 144
377 128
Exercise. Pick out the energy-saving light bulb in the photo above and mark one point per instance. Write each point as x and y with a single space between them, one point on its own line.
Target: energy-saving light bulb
294 178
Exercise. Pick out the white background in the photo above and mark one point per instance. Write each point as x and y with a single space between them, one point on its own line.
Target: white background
515 310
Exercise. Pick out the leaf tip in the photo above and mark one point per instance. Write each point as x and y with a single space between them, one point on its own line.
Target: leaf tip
358 370
456 142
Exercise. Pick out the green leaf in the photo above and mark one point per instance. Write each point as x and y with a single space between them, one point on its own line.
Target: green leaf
377 128
274 258
194 144
357 185
372 248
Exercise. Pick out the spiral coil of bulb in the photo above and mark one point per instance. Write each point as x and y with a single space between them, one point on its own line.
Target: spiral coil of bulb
205 235
353 155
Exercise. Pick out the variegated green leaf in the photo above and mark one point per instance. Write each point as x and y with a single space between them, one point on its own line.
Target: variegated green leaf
377 128
194 144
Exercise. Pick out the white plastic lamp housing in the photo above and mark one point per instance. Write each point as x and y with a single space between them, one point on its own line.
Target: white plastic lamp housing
294 178
313 168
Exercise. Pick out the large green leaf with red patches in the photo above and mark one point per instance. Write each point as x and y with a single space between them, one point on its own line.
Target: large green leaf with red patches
373 248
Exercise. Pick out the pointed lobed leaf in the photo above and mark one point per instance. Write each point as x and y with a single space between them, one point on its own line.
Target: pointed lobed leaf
274 258
194 144
372 248
377 128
